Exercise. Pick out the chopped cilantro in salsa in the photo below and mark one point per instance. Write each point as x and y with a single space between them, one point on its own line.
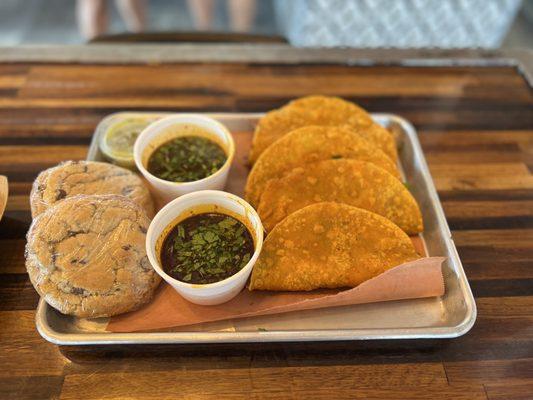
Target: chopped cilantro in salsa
206 248
186 159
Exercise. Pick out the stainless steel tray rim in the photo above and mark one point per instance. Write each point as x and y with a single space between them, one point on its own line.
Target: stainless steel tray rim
242 337
468 322
420 332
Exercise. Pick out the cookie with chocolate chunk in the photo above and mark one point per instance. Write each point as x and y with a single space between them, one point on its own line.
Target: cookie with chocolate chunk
86 256
72 178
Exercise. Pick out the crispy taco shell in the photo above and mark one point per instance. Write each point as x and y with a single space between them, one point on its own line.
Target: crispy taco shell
307 145
356 183
329 245
321 111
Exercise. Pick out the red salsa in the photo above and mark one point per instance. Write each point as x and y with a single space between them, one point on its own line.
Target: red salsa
206 248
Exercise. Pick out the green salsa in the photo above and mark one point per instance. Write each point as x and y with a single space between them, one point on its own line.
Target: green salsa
186 159
206 248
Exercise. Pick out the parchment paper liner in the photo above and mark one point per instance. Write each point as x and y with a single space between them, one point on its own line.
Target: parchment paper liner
416 279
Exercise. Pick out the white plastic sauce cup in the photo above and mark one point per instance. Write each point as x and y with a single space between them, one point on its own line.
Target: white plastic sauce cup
167 129
193 204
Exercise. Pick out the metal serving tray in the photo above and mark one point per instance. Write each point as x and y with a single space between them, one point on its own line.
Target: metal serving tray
448 316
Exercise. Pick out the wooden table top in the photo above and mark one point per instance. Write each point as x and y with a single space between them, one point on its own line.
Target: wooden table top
476 128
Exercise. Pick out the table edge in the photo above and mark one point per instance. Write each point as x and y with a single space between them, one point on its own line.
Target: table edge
266 54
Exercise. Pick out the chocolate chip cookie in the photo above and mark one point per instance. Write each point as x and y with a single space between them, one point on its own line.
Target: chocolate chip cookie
86 256
72 178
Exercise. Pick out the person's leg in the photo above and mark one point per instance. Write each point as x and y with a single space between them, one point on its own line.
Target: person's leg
242 14
92 17
202 13
133 12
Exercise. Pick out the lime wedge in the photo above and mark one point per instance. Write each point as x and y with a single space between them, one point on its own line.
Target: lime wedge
117 142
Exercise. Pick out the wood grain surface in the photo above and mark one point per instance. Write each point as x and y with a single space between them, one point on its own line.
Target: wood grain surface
476 128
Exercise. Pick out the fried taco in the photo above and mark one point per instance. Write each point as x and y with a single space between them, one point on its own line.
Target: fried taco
331 105
321 111
329 245
353 182
307 145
